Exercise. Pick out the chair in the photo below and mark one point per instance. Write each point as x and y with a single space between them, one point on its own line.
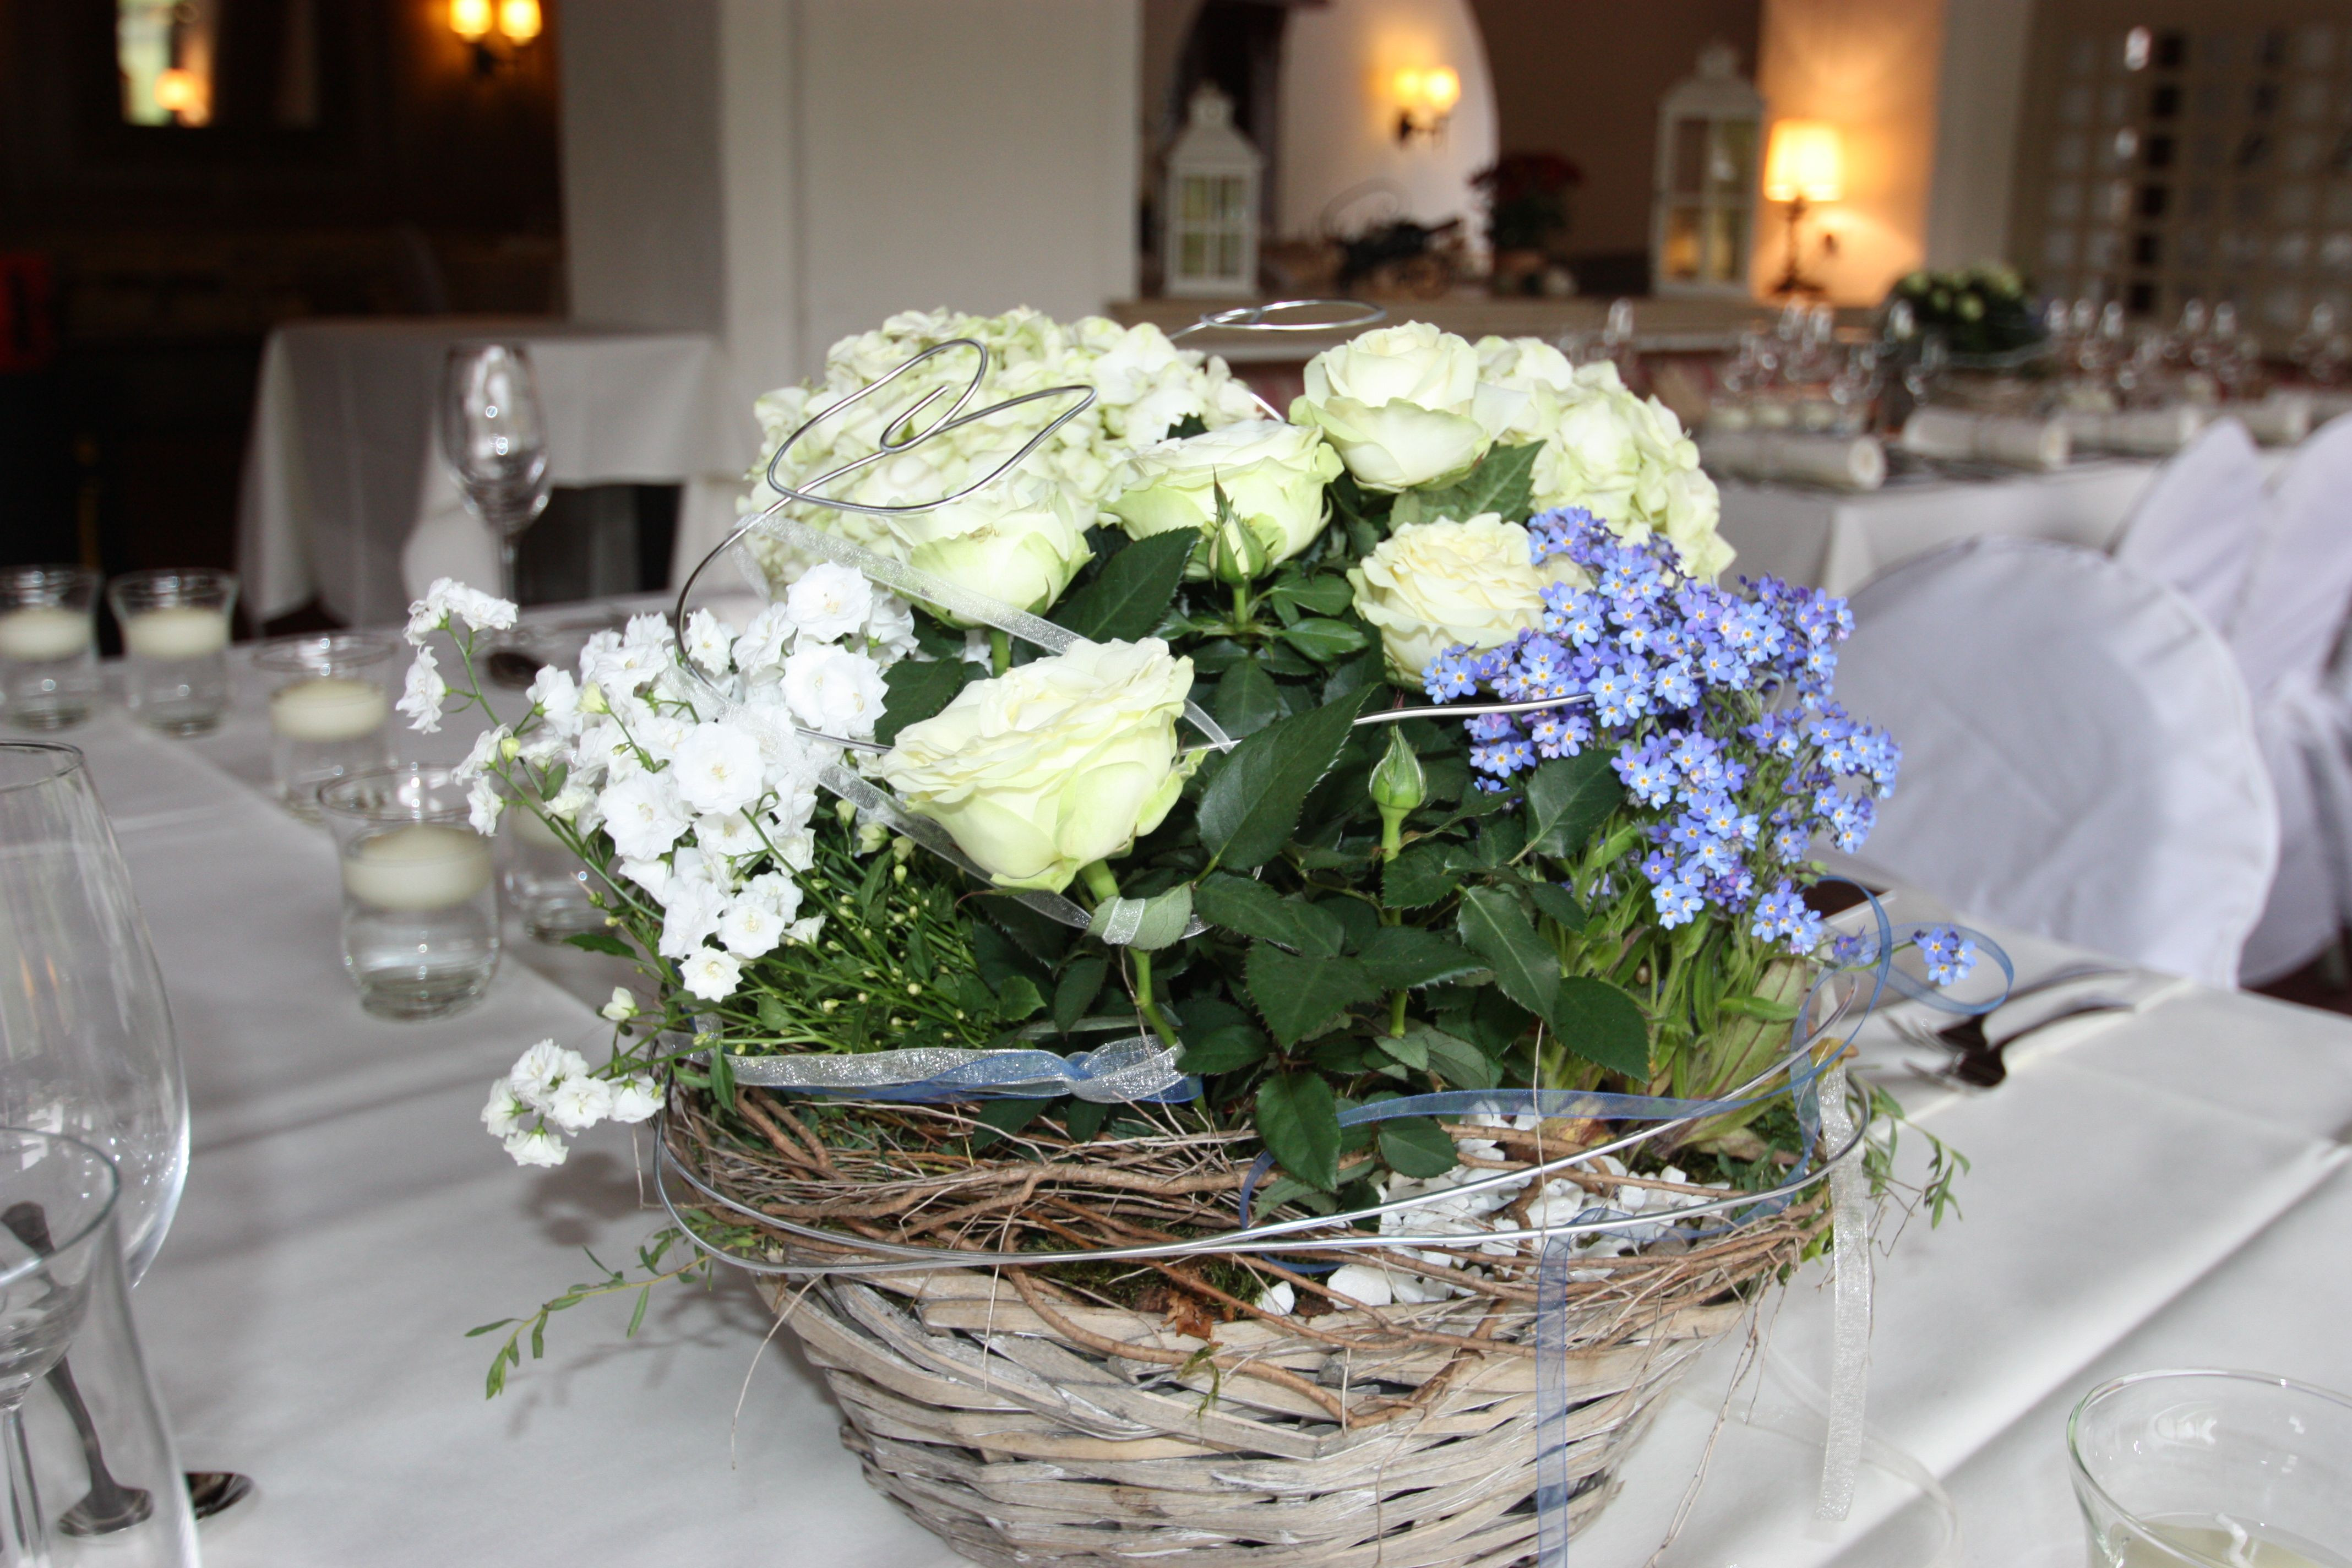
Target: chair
2079 755
2289 617
2202 519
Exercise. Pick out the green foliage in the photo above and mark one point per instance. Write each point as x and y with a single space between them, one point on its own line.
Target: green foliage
1249 810
1493 926
1601 1023
1566 799
1298 1119
1503 481
1296 995
917 690
1130 595
1250 908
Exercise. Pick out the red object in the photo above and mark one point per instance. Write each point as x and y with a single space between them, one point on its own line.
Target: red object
28 327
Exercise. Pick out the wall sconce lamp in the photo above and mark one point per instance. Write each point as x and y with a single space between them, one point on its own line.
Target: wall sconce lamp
496 29
1804 165
1424 98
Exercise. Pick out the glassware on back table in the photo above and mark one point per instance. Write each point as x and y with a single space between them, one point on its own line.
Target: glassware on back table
92 1476
86 1042
495 441
176 645
48 666
328 704
546 883
420 903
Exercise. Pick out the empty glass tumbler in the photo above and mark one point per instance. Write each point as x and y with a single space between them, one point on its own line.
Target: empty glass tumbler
2213 1470
176 645
48 663
420 901
92 1473
546 883
329 698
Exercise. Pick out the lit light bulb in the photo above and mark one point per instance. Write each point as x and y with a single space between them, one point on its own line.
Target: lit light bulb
519 20
470 19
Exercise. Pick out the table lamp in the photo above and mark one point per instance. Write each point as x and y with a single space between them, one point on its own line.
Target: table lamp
1803 164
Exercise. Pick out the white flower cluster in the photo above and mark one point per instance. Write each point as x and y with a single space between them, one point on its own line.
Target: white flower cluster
1144 387
550 1094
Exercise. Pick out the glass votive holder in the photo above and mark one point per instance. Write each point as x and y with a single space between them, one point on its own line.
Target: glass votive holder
328 703
48 660
420 901
176 645
546 883
2213 1470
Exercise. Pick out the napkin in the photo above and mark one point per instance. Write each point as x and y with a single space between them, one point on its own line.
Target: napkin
1837 462
2142 432
2282 419
1952 433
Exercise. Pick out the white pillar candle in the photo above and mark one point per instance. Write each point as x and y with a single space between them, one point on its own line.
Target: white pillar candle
176 632
426 866
529 829
42 632
328 708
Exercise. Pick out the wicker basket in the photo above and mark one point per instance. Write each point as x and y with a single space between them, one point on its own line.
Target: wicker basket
1024 1423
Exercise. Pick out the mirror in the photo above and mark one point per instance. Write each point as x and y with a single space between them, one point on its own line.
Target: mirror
186 64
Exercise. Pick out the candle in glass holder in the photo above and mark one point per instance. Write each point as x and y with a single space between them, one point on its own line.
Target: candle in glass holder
39 633
176 632
328 708
426 866
48 666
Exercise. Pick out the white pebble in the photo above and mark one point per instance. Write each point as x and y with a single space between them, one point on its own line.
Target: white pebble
1369 1285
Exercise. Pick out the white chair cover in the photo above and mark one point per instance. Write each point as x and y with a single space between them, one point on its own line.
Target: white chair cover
2201 520
2289 617
2079 756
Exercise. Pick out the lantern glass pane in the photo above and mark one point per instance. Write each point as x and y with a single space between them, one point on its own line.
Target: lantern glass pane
1734 159
1681 258
1689 166
1194 198
1229 256
1726 259
1192 254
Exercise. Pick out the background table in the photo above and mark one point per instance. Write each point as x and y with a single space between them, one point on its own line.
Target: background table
2157 1187
344 465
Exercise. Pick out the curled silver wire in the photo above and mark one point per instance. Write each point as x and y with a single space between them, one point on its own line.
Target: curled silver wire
1253 318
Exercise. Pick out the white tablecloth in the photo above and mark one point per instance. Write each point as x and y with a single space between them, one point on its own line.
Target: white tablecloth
2162 1187
343 464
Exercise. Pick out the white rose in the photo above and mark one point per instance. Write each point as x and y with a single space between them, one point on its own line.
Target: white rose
1627 461
643 814
1272 473
1020 541
1060 763
829 602
1538 376
1433 584
1402 405
833 690
717 768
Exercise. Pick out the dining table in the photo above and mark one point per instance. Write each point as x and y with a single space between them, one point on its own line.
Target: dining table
2160 1184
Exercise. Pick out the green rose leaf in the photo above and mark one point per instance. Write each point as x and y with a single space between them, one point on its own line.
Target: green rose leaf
1568 799
1226 1049
1017 999
1399 958
1298 995
1299 1121
916 691
1503 482
1246 699
1408 1047
1253 909
1080 984
1001 1118
1324 595
1249 809
1149 924
1603 1023
1559 903
1417 879
1498 930
1132 592
1417 1146
1324 640
1450 1057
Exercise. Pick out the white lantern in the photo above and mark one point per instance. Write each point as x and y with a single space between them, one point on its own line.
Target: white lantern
1209 223
1702 208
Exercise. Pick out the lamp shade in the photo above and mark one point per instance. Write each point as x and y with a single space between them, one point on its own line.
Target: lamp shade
1804 162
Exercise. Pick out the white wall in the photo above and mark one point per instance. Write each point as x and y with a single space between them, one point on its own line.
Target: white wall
786 171
1978 104
1338 118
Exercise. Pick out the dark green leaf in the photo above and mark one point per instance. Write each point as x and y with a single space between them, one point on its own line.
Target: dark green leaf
1227 1049
487 1327
1131 592
1354 674
1163 918
601 941
1454 1059
1492 1021
1246 699
1503 481
1017 997
1568 799
1329 594
1355 504
1417 879
1184 430
1359 919
1040 936
918 690
1402 957
1416 1146
1559 904
1324 640
1603 1023
1001 1118
1297 995
1080 983
1253 909
1249 810
1084 1118
1408 1047
637 1317
774 1016
1498 929
1299 1121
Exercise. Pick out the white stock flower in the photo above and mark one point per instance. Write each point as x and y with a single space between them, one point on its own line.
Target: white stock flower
761 650
643 814
731 834
805 929
710 974
484 752
557 697
622 1007
567 803
1430 585
709 641
426 691
446 599
537 1147
716 767
829 602
750 926
505 1114
890 628
1272 473
1019 542
1402 404
635 1099
1059 763
690 913
539 1070
579 1103
652 874
483 804
834 690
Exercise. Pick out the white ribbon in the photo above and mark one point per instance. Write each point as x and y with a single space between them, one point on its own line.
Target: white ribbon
1850 1289
1137 1067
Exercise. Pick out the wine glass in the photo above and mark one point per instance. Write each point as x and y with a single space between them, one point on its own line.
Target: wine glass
495 441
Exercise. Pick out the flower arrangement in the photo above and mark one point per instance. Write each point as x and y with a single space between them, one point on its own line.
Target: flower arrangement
1526 198
1326 896
1981 309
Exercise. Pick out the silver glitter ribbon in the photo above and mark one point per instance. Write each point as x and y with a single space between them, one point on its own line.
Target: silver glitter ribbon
1135 1069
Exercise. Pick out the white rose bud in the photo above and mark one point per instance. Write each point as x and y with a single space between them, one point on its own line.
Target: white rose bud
1273 475
1430 585
1403 406
1060 763
1020 541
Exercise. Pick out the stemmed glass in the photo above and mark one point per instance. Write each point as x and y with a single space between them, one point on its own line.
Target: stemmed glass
495 441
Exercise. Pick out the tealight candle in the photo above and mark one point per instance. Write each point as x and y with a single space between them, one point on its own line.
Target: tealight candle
40 633
426 866
530 830
176 632
328 708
